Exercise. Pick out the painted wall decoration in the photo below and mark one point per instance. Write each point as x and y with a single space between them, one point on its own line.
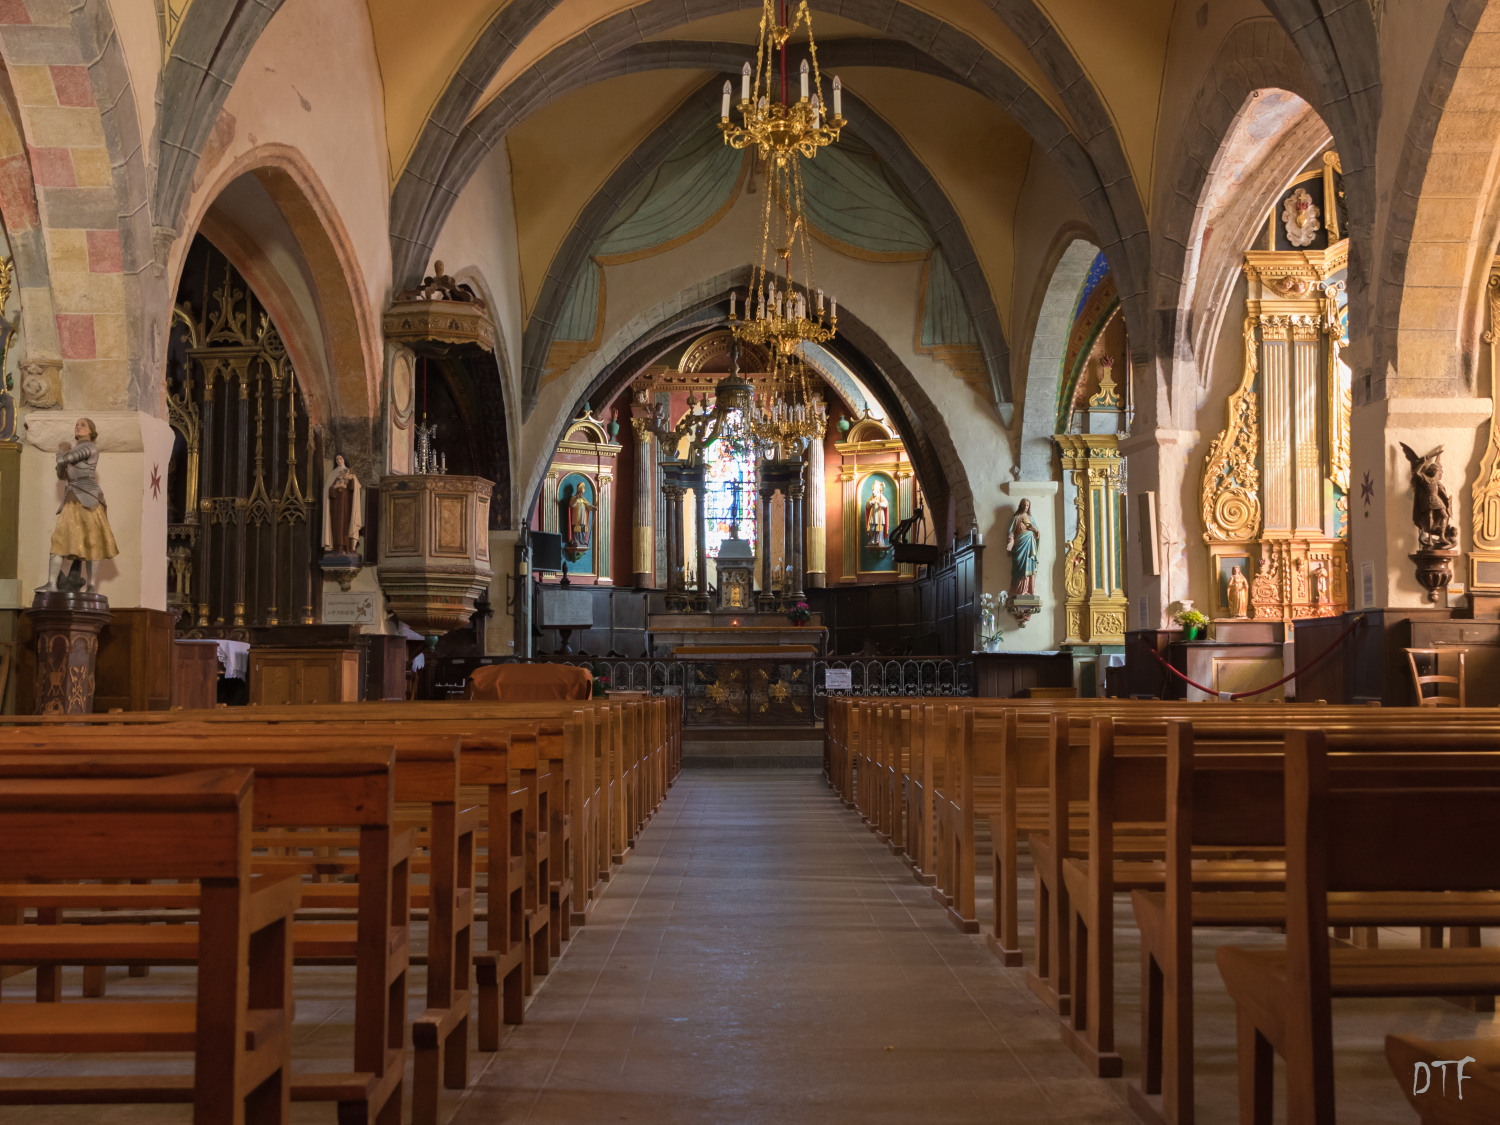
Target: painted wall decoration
577 518
877 518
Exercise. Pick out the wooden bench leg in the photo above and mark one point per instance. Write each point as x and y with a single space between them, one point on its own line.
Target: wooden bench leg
1256 1073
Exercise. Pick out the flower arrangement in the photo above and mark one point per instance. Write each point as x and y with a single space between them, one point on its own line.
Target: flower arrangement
799 614
1194 624
989 629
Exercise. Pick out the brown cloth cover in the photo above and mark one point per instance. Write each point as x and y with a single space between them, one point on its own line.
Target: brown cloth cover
511 683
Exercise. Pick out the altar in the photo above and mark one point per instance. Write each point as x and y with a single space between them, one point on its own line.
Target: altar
727 634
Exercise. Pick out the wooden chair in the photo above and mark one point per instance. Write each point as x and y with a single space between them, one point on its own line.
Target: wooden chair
1447 691
193 826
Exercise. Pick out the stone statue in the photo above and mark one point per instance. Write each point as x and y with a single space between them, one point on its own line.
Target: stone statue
1300 217
1022 543
1239 593
440 286
877 518
342 522
1320 584
1432 506
82 530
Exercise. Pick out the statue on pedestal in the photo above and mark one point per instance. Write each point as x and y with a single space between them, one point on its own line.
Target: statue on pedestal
1022 543
1239 593
82 530
878 518
343 521
1432 506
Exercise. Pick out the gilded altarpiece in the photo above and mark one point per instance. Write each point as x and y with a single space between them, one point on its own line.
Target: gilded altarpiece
1276 481
1484 558
578 498
1093 558
242 484
872 460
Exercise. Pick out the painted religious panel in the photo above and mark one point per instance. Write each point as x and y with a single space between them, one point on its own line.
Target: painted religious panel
577 507
876 501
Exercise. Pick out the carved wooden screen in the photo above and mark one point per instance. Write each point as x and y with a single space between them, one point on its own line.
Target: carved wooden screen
243 495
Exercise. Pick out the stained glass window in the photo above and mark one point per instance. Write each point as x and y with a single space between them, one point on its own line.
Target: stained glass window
730 471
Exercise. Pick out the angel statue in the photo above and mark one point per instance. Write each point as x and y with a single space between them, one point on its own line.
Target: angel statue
1432 506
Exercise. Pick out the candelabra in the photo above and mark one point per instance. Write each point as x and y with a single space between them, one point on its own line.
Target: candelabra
427 460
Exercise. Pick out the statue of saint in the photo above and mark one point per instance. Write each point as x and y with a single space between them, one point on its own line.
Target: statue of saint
1432 506
1022 543
578 519
342 518
1320 585
878 518
1239 593
82 530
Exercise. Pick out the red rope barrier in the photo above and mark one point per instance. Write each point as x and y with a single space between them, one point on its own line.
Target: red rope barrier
1292 675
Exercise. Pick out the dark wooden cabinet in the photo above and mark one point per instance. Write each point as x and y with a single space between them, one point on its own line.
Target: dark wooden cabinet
134 667
195 674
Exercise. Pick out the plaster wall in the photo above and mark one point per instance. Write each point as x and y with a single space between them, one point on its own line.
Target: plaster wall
312 85
562 155
479 241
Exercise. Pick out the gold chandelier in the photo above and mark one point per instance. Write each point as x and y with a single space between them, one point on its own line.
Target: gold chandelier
790 410
781 128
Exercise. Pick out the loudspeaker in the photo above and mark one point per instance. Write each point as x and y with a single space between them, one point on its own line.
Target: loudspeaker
546 551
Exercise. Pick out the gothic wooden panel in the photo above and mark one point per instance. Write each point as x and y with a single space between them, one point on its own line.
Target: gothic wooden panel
401 537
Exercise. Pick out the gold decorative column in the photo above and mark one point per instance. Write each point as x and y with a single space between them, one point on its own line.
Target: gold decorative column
1094 557
1484 559
643 542
817 516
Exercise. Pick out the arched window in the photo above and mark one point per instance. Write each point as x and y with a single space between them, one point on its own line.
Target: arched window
729 485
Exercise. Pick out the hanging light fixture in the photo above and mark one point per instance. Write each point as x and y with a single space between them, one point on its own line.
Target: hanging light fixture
783 306
790 410
777 126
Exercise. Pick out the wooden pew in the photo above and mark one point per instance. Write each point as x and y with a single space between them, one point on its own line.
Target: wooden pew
1448 1095
426 781
1235 800
193 826
1340 840
304 789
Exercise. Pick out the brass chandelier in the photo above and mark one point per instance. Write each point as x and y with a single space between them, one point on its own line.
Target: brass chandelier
783 307
780 129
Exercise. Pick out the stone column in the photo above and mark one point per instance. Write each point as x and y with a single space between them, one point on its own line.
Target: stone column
643 543
701 598
817 517
65 630
549 503
763 535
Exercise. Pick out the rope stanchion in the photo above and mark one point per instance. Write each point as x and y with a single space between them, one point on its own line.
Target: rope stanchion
1292 675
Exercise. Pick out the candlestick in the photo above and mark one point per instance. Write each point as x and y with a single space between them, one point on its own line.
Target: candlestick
745 83
724 109
838 97
804 79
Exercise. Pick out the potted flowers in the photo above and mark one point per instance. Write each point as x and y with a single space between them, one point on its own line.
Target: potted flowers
1194 624
799 614
989 631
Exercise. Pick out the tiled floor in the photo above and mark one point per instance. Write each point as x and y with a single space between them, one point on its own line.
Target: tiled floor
762 957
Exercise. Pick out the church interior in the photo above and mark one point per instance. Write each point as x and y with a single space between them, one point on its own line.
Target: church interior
729 561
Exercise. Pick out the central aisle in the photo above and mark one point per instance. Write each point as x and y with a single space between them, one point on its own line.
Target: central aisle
761 957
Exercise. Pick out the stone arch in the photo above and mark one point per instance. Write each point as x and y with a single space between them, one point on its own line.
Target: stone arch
1071 256
1189 289
210 46
686 314
451 144
947 228
337 343
1444 220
